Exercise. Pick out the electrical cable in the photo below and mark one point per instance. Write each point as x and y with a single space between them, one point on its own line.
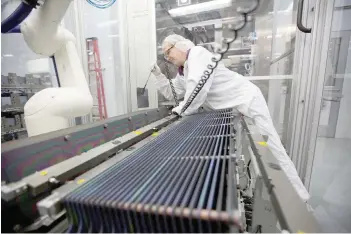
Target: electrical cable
171 84
56 72
101 4
248 169
207 73
147 81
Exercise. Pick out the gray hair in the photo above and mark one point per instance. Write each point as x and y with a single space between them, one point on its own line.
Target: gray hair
178 42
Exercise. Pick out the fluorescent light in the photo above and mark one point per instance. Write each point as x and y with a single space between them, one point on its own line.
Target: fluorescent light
7 55
201 7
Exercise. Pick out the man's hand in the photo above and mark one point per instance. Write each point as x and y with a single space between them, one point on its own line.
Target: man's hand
155 70
176 110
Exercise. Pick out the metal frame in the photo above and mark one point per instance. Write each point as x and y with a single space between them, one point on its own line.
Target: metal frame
39 183
277 197
285 54
70 142
332 93
315 112
290 210
50 208
263 212
308 62
263 215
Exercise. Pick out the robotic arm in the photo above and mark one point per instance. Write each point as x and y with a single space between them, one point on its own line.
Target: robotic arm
49 109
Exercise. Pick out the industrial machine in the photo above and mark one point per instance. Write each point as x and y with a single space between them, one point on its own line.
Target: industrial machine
150 172
143 172
44 35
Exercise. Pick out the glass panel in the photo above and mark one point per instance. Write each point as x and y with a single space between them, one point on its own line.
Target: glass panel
281 64
102 42
248 55
263 50
330 187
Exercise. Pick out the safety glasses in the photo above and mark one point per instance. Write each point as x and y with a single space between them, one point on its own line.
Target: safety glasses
168 51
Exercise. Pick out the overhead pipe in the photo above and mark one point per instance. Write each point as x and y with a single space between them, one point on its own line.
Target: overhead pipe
16 29
17 17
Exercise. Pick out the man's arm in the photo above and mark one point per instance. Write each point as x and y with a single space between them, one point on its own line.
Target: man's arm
162 84
199 59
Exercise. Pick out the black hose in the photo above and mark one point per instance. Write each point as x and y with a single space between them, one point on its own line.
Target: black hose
248 169
17 17
56 72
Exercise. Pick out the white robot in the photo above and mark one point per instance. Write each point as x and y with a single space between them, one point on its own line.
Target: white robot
50 109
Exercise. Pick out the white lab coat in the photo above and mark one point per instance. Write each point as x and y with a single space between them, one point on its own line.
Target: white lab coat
227 89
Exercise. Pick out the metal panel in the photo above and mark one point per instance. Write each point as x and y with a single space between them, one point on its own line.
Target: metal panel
41 182
36 153
291 211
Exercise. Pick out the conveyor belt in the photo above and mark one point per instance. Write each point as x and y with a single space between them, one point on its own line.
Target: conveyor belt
36 153
183 181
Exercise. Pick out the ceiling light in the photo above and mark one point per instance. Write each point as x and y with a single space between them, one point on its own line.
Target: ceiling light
7 55
201 7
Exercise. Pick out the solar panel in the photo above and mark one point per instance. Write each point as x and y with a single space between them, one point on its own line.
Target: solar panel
182 181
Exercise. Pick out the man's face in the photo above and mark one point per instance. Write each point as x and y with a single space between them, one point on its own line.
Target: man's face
174 55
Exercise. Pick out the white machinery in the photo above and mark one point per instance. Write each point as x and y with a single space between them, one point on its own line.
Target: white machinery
50 109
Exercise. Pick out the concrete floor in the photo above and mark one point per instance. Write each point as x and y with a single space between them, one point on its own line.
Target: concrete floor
330 186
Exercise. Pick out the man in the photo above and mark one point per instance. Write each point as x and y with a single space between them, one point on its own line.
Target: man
224 89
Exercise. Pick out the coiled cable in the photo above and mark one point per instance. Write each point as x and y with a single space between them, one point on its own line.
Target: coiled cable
220 54
171 84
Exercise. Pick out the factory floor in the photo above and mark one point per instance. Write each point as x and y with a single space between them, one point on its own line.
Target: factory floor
330 186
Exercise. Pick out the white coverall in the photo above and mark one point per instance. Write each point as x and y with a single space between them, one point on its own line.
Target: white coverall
227 89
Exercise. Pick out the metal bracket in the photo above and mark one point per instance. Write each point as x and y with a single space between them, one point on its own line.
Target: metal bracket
13 190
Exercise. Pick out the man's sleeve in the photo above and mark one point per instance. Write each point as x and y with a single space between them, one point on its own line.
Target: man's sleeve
199 59
162 84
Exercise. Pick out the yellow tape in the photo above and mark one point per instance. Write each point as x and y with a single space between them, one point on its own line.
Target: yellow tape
300 232
155 134
81 181
138 132
43 173
262 143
